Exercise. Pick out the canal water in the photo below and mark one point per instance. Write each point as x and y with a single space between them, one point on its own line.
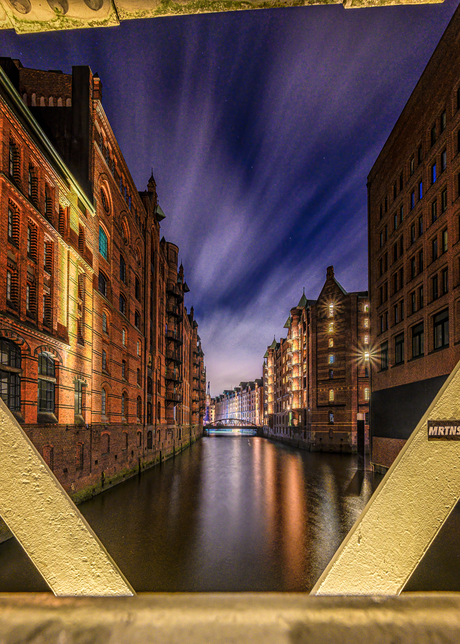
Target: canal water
228 514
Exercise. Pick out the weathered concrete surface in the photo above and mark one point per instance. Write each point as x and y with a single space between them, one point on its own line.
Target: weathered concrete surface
231 618
27 16
48 525
405 513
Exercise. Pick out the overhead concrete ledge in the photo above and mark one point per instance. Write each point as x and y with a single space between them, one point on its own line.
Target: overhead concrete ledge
230 618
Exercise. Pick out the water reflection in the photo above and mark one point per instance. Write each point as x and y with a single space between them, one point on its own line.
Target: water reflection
229 514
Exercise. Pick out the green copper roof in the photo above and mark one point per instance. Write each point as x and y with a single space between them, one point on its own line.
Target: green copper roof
287 324
159 213
302 302
273 344
266 354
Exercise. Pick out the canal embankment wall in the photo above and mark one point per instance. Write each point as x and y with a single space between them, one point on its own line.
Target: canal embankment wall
337 442
89 459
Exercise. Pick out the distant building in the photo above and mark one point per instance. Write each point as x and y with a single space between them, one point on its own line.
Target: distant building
414 267
100 360
316 380
244 402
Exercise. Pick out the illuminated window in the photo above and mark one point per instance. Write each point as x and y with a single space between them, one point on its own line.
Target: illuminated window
366 339
331 342
331 358
138 347
366 323
331 395
366 393
331 310
104 402
331 327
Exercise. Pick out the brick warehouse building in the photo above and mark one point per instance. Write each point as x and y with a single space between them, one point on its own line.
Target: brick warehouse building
414 259
316 380
100 360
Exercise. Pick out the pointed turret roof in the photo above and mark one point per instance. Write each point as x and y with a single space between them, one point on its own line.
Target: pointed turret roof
303 301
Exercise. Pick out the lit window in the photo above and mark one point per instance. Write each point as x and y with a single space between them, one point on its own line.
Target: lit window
123 337
366 323
433 173
443 160
331 342
331 358
331 395
138 347
366 393
331 310
331 327
103 402
366 339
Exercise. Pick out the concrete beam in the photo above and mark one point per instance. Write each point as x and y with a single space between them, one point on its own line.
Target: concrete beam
27 16
246 618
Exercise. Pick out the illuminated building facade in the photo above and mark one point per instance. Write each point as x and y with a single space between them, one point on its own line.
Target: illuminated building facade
316 380
414 259
244 402
100 360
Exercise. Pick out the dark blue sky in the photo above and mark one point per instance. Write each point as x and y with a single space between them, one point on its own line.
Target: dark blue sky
261 128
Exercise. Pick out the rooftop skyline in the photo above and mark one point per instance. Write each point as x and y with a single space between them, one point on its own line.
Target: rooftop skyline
261 128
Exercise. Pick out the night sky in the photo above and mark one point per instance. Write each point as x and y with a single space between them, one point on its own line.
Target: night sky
261 128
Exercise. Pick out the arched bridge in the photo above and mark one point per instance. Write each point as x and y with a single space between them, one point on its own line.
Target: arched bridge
231 426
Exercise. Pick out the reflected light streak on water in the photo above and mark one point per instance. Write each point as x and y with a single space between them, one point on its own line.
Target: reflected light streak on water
229 514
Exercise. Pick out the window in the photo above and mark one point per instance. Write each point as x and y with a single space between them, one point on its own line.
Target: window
331 327
366 339
138 347
331 342
401 183
331 374
412 199
137 288
48 256
396 313
384 356
124 405
78 398
444 200
419 154
412 267
413 302
105 324
47 310
331 395
434 287
433 173
433 135
420 297
401 214
13 226
103 402
103 243
331 358
444 241
412 234
420 189
441 329
105 203
395 221
123 337
366 394
420 226
122 269
122 304
412 166
445 280
13 161
104 360
366 323
12 288
139 409
123 369
434 249
48 204
46 383
417 340
10 374
443 160
420 261
103 284
399 348
443 121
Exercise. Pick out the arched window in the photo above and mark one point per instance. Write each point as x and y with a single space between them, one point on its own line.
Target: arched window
149 439
139 409
51 101
103 402
10 374
149 414
105 201
105 323
59 102
34 100
124 337
103 243
103 284
122 269
139 348
122 304
46 383
104 360
331 395
123 370
139 439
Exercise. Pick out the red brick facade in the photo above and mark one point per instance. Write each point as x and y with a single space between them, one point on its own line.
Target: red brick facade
100 360
414 259
316 380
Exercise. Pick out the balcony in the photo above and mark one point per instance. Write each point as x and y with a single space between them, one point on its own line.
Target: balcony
174 310
171 334
173 355
173 375
173 396
175 290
